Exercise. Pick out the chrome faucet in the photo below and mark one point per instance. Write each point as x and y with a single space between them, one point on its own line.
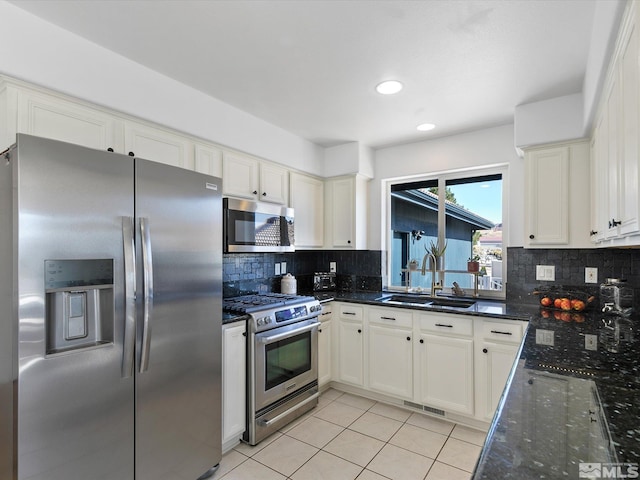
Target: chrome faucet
435 285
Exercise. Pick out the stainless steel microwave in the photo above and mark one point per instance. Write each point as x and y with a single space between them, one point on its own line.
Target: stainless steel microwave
257 227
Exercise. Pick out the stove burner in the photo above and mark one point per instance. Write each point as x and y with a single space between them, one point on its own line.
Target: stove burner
255 303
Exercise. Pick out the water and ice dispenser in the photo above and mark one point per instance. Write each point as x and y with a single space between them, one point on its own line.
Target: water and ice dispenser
79 304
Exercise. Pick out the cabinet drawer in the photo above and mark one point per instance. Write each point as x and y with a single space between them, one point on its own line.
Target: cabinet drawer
351 312
392 317
448 324
502 332
327 312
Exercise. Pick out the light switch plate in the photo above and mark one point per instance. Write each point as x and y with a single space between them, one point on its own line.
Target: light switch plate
546 272
283 267
590 342
544 337
590 275
277 269
332 267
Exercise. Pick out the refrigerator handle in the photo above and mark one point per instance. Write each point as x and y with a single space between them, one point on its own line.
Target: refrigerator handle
147 275
129 343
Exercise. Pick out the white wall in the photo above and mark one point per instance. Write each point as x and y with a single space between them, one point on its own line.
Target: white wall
44 54
490 146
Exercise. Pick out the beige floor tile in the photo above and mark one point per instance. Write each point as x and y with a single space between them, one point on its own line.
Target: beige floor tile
331 394
250 451
230 460
376 426
339 413
390 411
431 423
354 447
369 475
315 431
400 464
419 440
252 469
285 455
324 466
356 401
440 471
459 454
468 434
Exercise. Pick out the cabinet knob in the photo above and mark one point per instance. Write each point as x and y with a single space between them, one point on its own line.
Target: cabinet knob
615 223
421 340
264 194
532 236
319 330
593 232
484 350
409 338
255 192
359 331
110 149
348 241
131 154
530 381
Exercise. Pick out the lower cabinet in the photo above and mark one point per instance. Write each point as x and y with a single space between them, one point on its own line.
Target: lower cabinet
350 344
390 363
234 345
325 344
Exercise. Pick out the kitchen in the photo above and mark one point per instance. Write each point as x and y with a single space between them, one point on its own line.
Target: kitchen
370 167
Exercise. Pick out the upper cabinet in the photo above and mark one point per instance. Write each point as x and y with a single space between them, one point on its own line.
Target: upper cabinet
247 177
346 212
616 209
557 196
158 145
307 198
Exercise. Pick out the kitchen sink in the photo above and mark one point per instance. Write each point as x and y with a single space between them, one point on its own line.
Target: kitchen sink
427 301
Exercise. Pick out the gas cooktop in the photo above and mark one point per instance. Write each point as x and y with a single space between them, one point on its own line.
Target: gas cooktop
259 302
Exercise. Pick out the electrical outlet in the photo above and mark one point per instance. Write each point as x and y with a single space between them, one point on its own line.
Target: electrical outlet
591 342
277 269
544 337
546 273
332 267
283 267
590 275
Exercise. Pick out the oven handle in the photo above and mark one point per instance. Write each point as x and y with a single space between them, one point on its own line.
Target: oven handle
288 333
273 420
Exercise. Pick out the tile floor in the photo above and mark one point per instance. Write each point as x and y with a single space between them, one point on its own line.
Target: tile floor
349 437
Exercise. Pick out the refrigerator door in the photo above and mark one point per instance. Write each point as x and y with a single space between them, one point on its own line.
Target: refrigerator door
178 397
75 410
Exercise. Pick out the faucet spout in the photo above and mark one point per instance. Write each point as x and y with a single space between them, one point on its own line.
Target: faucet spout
435 285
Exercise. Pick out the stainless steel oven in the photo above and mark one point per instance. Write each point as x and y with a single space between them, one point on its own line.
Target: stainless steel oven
282 359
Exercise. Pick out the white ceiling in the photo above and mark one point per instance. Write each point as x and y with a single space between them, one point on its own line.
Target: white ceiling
311 66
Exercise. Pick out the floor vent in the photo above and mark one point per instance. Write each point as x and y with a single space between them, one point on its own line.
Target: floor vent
424 408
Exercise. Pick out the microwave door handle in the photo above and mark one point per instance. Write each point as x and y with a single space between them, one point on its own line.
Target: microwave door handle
129 341
288 333
147 274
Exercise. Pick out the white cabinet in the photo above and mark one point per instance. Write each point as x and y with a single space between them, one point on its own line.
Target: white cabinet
207 160
444 371
307 201
324 344
557 197
346 213
234 346
60 119
497 345
247 177
390 356
350 344
158 145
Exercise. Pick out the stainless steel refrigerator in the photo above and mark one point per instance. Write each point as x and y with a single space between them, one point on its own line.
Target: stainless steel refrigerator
110 316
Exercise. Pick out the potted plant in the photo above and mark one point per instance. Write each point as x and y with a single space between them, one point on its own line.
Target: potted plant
438 253
473 264
413 264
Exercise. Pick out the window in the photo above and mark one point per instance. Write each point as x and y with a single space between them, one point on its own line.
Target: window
467 218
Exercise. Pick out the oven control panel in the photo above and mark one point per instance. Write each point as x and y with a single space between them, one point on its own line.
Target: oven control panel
283 315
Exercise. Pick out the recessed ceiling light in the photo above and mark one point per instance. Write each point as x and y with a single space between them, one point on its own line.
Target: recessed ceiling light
389 87
425 127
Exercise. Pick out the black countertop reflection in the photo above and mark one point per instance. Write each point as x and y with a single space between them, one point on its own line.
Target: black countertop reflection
572 405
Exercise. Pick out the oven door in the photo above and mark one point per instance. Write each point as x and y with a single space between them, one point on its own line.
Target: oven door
286 359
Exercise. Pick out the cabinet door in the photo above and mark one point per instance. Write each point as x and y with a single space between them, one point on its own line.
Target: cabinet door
445 373
307 201
208 160
494 365
157 145
343 213
240 176
274 184
324 352
233 381
391 361
51 117
351 352
547 198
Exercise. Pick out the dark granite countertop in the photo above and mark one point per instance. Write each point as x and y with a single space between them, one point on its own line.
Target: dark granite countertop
572 403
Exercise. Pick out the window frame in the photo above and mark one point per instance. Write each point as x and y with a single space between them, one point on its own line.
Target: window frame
442 177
